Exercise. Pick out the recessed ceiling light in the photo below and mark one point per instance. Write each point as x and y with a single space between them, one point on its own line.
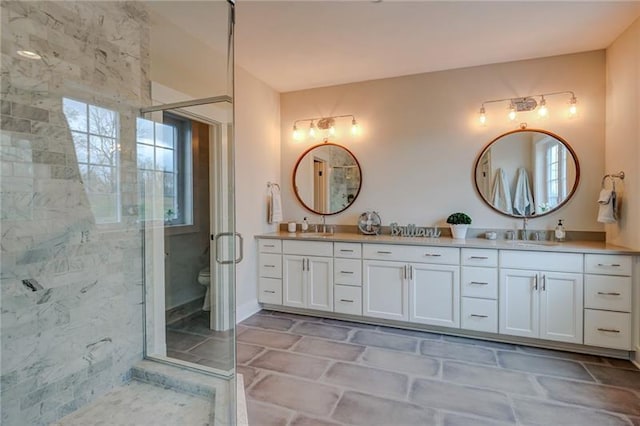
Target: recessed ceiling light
28 54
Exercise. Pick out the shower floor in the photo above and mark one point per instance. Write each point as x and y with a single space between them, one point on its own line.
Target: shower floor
138 403
190 339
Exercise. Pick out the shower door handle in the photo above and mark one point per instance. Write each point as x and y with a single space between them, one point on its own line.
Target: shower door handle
216 240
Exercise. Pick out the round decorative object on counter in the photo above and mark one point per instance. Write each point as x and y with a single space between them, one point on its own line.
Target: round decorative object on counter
369 223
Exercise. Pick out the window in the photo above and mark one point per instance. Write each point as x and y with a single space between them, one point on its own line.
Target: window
164 152
556 173
95 138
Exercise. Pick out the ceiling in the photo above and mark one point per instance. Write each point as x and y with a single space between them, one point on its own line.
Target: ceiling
294 45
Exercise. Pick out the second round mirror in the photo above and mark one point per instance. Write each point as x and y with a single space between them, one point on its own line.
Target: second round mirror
327 179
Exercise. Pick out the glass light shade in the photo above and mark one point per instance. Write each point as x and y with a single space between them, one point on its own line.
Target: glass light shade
483 117
573 107
332 130
512 113
543 111
312 131
354 127
297 135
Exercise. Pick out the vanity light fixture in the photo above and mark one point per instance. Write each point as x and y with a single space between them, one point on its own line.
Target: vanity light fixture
324 124
28 54
530 103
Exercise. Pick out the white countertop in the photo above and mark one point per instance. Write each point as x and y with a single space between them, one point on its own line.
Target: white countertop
599 247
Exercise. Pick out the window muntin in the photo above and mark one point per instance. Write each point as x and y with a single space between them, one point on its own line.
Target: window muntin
95 131
164 152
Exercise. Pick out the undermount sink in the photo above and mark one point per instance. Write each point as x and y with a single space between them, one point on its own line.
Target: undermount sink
315 234
534 243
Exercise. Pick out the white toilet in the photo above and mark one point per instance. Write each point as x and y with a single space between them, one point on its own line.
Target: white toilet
204 278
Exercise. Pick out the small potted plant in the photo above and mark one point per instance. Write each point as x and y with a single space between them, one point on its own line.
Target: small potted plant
459 223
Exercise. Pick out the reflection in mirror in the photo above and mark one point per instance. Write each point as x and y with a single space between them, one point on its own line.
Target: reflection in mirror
527 173
327 179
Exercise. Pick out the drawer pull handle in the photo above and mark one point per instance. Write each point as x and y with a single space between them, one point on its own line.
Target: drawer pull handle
478 283
609 330
432 255
614 265
269 245
479 316
346 300
384 252
479 257
269 266
346 251
609 293
346 272
269 291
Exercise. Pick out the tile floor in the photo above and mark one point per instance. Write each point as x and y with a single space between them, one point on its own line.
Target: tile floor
302 370
190 339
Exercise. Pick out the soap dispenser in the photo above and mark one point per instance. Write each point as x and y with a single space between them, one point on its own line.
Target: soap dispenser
305 225
560 232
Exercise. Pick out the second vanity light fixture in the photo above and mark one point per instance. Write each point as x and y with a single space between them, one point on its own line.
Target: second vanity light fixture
322 124
529 103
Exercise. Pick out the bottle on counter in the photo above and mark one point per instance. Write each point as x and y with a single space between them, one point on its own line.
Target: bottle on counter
305 225
560 231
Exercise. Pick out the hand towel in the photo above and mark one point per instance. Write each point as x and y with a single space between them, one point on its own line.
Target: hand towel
523 200
500 194
274 209
607 206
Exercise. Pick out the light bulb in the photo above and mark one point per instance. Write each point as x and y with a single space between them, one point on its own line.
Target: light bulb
512 112
354 127
312 130
483 116
573 108
332 130
543 111
297 135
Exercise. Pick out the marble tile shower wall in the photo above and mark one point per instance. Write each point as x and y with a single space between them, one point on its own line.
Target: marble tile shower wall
78 336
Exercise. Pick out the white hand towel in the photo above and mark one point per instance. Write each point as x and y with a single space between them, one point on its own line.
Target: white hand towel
274 210
500 194
607 206
522 199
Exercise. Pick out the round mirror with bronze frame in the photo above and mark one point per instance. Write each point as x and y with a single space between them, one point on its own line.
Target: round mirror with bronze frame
527 173
327 179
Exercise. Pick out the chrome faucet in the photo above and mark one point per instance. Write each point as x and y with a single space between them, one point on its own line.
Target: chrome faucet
324 226
525 221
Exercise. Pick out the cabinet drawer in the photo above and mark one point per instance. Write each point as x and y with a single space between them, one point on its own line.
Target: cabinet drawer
270 290
349 250
479 314
607 329
270 246
270 265
420 254
559 262
308 248
479 282
479 257
607 292
608 264
347 300
347 271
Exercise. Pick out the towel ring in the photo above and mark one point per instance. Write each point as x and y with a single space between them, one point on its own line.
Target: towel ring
613 177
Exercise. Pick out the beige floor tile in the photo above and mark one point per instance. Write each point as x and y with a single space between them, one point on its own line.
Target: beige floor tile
290 363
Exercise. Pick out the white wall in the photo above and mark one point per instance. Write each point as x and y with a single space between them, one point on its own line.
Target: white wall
257 139
420 137
623 132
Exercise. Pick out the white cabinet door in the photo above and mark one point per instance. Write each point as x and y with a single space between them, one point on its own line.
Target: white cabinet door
561 306
519 310
319 283
434 294
293 281
385 290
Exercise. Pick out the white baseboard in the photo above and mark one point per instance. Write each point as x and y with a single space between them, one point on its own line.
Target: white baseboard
247 309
